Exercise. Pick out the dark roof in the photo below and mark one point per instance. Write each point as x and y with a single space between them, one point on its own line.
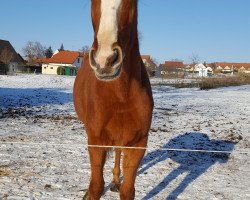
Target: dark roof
148 61
6 45
146 57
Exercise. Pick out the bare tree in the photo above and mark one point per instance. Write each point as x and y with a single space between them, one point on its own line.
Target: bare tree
177 60
195 59
85 49
140 36
151 65
155 61
33 50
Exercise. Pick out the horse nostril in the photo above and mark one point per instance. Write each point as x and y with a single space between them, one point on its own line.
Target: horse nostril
112 60
92 61
116 58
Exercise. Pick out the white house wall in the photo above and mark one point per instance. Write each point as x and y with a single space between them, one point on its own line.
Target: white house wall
51 68
78 62
201 70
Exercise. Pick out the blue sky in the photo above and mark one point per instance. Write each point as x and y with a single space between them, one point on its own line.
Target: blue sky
215 30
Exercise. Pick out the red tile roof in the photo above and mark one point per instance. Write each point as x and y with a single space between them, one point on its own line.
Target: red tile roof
42 60
67 57
234 65
172 65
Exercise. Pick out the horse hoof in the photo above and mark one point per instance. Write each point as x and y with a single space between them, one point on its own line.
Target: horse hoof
115 187
86 196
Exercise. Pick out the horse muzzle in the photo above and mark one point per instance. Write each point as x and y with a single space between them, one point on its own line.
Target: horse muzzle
107 63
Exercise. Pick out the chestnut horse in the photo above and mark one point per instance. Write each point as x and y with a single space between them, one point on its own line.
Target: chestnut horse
112 96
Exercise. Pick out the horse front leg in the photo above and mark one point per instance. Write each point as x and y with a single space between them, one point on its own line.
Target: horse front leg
115 185
131 162
97 161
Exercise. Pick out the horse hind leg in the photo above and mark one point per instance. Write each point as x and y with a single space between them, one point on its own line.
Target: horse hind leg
115 185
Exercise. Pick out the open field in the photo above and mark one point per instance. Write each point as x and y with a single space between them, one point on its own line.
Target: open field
43 152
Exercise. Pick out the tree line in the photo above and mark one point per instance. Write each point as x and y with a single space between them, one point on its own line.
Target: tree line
34 50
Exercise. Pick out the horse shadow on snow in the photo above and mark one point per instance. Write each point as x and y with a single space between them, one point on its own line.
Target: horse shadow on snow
192 163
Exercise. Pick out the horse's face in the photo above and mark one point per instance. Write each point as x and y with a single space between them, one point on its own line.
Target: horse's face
115 28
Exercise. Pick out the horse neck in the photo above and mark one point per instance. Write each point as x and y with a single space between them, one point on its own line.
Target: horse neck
121 88
131 73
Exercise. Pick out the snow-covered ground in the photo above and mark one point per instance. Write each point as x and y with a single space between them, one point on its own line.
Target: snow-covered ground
43 147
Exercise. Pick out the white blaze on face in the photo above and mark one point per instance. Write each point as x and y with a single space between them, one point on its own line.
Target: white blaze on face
108 30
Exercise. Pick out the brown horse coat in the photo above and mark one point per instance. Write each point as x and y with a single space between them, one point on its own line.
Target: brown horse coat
116 111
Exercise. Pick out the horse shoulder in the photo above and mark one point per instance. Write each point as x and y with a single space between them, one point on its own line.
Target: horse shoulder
82 89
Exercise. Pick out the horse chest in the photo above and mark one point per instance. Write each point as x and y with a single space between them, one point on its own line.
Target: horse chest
124 126
118 122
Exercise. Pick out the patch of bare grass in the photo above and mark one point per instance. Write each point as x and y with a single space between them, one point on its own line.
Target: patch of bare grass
210 83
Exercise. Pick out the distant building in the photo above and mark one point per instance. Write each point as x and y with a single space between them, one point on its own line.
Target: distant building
69 60
226 67
36 66
171 67
149 64
10 61
199 70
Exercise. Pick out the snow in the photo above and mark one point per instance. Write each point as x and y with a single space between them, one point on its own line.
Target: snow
43 145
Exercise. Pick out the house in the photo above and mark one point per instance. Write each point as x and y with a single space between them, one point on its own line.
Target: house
171 67
149 64
36 66
62 62
226 67
199 70
10 61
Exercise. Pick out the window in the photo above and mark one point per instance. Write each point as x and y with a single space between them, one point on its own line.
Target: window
44 67
78 60
51 67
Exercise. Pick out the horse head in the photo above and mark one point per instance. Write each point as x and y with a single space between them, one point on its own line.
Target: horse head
115 31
